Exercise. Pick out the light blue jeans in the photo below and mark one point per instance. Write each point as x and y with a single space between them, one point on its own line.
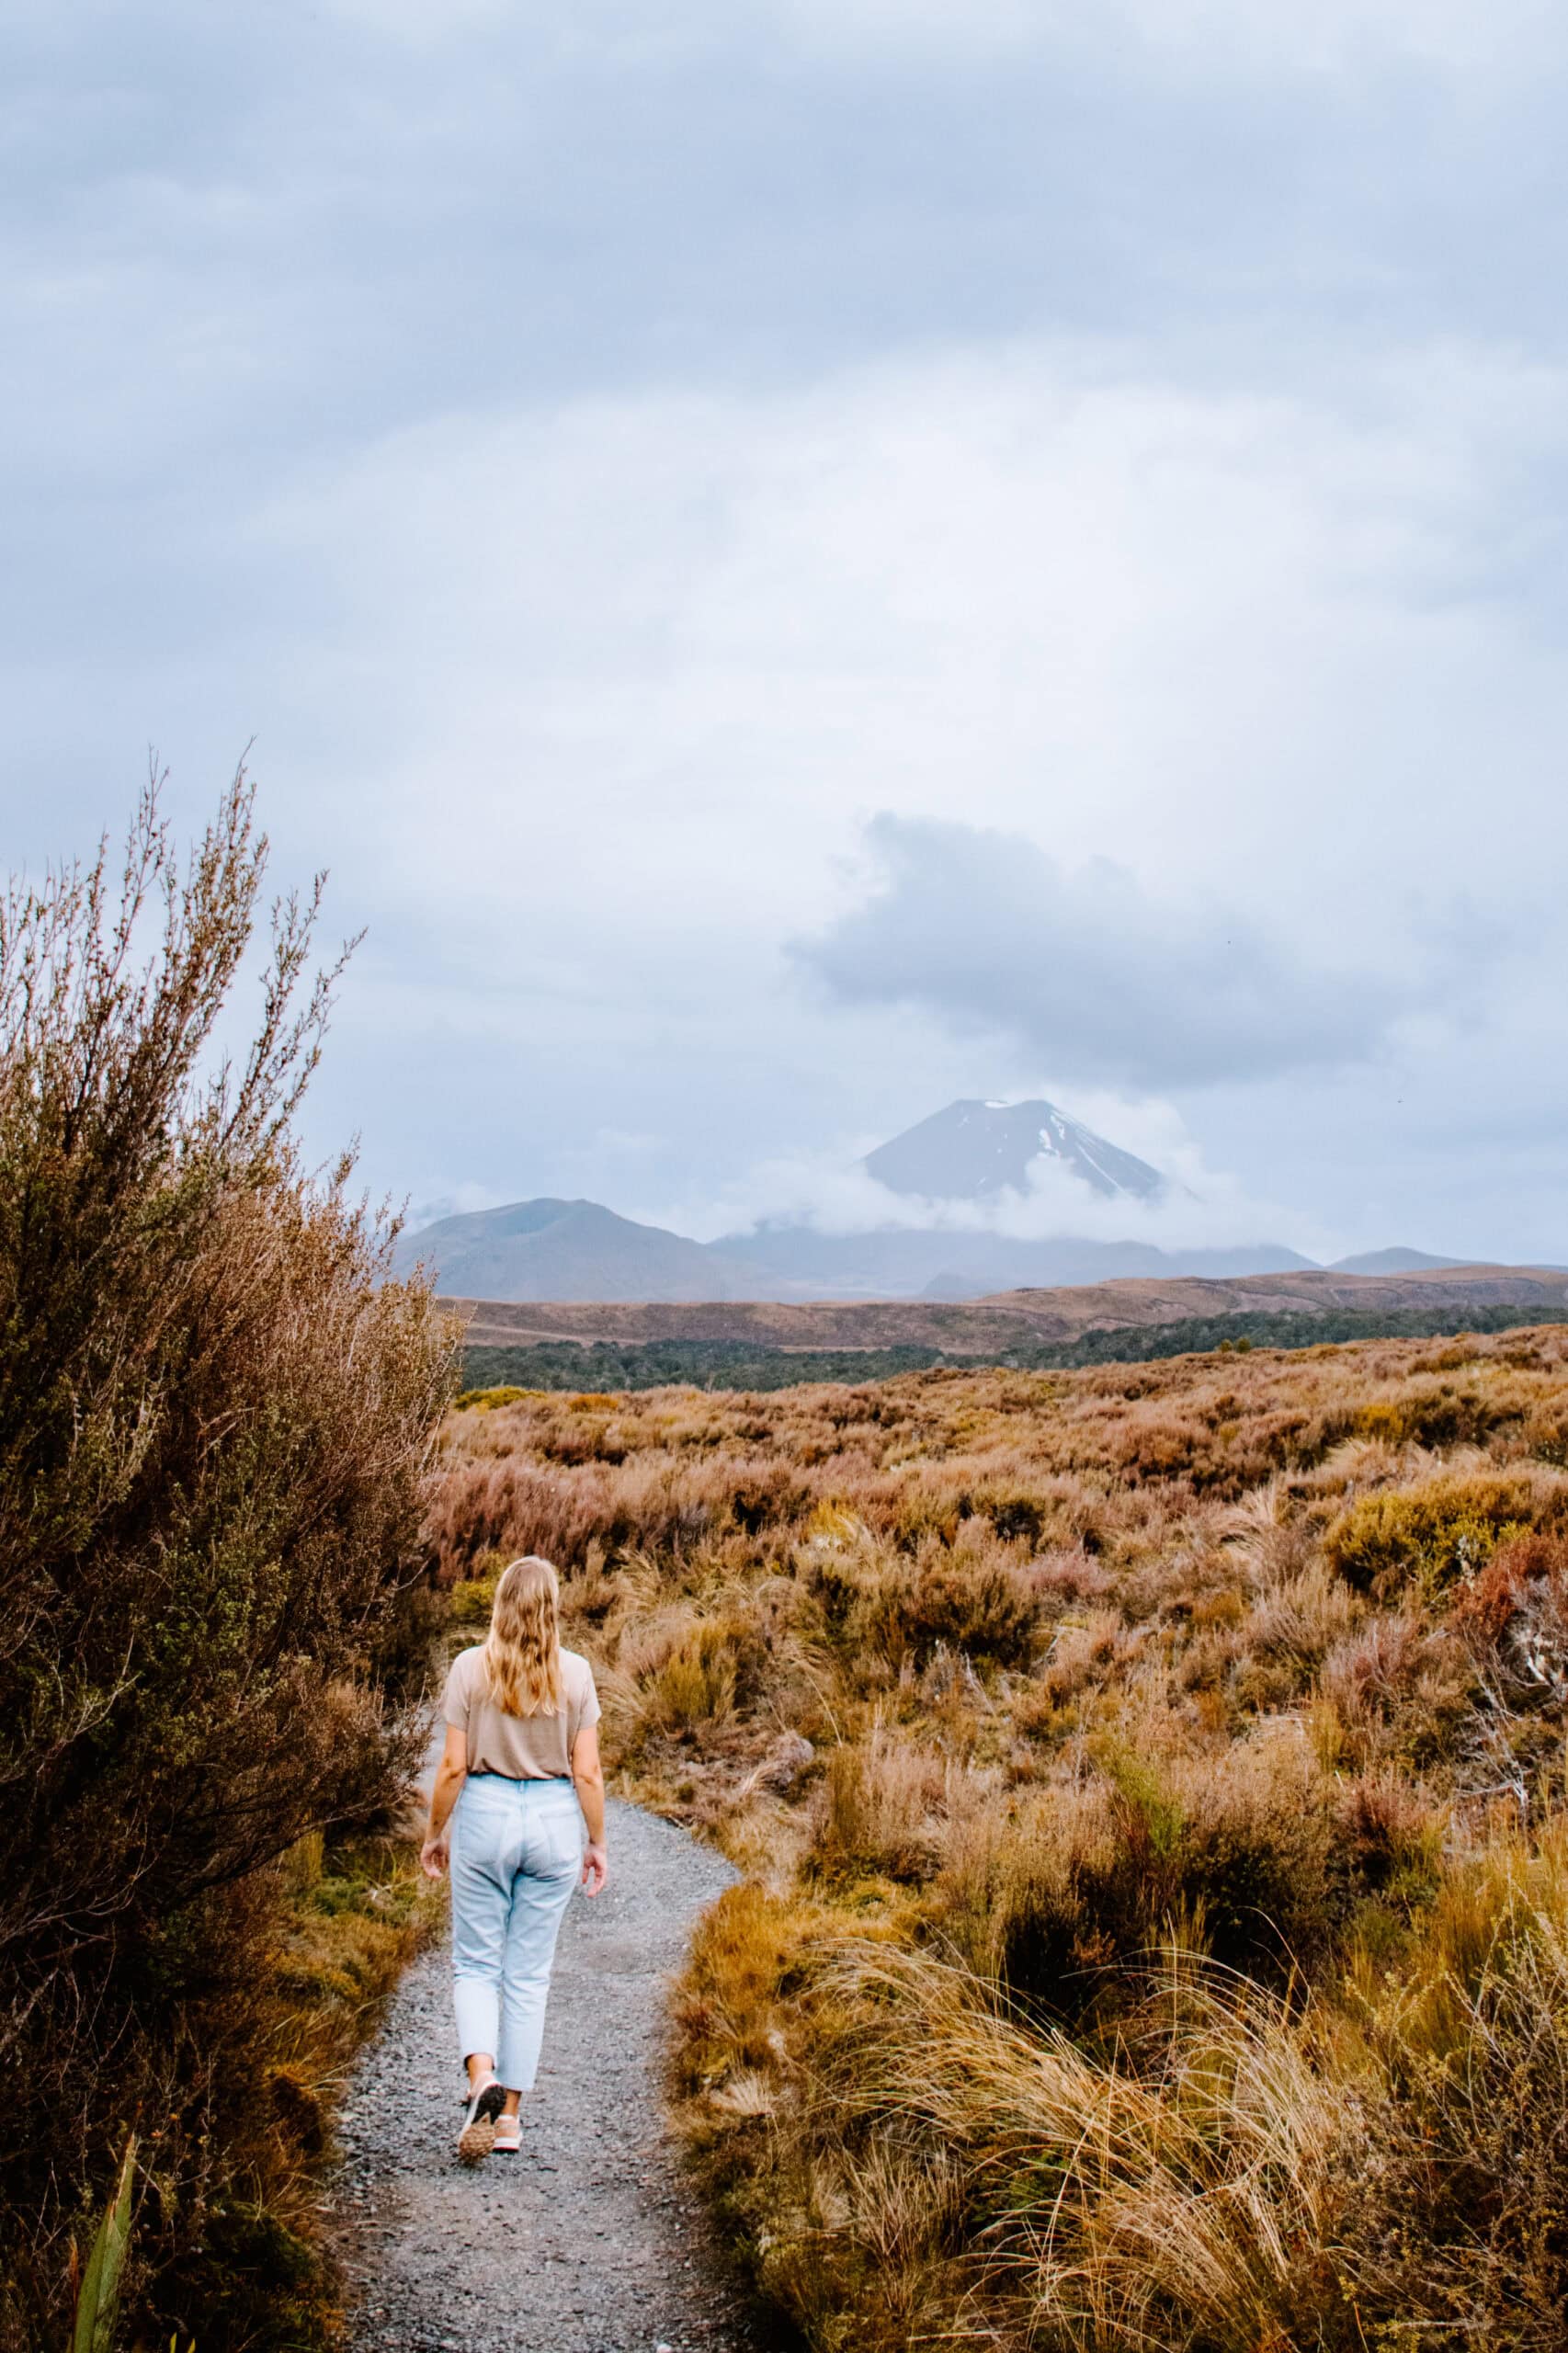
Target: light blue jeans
517 1855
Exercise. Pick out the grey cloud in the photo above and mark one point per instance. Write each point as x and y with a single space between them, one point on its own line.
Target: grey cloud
1097 980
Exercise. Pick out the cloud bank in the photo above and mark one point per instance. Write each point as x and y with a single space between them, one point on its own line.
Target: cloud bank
1201 1208
1088 970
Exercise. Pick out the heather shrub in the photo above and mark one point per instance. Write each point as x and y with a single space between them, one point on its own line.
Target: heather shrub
1388 1844
1401 1688
1515 1614
1303 1618
1016 1513
215 1420
1546 1432
983 1607
1426 1535
695 1685
1431 1413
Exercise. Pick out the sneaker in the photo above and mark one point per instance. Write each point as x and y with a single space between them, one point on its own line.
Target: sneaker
478 2135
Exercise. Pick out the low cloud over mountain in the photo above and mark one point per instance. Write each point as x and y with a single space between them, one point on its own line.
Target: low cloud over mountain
979 1197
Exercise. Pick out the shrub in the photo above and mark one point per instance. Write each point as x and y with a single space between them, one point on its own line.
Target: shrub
696 1684
1061 1904
1516 1610
1294 1662
215 1416
1433 1413
1425 1535
984 1609
1459 2229
1303 1618
1400 1688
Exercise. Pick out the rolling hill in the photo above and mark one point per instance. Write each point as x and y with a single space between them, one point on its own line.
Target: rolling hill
554 1249
1010 1319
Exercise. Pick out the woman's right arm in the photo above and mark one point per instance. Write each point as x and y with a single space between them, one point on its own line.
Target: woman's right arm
588 1780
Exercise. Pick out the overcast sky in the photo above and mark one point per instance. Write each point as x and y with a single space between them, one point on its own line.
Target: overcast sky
799 558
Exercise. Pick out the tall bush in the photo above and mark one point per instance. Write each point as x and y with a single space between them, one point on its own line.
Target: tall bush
215 1418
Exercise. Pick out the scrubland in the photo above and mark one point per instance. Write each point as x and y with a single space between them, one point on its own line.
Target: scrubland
1149 1783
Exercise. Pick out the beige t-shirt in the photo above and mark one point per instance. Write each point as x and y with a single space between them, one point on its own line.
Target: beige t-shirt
526 1748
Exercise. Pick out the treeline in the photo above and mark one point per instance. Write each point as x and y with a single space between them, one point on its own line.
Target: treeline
607 1365
216 1415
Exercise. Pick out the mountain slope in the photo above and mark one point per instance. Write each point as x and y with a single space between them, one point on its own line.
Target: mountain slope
551 1249
796 1260
1395 1261
971 1151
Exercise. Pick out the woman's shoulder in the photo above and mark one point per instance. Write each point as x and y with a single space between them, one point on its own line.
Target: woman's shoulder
466 1665
575 1669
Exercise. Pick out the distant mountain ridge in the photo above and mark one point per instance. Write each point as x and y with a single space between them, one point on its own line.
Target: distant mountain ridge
973 1152
797 1261
1389 1262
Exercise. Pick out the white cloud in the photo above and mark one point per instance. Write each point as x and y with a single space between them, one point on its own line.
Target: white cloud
1216 40
460 1201
639 670
627 677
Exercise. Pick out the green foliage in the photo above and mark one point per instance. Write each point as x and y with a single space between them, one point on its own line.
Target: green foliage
487 1400
97 2299
468 1602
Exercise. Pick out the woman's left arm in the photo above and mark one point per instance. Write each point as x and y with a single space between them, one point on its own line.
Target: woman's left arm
450 1775
588 1777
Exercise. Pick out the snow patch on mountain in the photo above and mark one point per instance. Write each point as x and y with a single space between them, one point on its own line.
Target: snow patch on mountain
973 1151
1171 1202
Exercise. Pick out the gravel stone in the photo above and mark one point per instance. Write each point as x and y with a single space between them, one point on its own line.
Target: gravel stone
590 2242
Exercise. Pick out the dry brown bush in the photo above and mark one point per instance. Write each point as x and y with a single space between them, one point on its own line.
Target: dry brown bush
216 1417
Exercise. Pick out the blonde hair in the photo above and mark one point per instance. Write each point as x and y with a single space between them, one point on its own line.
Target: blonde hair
522 1649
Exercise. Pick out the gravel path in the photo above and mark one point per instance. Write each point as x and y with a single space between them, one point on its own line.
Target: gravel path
590 2241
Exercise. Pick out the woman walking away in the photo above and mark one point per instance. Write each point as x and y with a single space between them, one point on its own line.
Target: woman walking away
521 1766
